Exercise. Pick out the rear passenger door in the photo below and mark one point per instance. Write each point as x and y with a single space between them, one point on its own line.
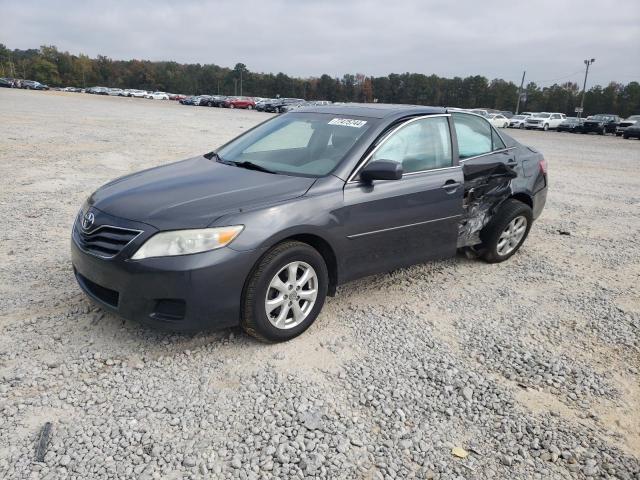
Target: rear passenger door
479 143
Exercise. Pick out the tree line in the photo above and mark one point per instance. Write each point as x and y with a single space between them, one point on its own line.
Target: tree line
55 68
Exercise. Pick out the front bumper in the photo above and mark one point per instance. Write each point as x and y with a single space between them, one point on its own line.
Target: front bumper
183 293
592 128
538 126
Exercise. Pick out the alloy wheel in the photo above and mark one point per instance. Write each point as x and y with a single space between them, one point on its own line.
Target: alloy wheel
291 295
512 235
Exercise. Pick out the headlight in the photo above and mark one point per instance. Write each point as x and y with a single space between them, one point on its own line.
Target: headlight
184 242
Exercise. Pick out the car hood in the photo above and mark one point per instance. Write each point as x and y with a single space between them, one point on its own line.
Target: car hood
193 193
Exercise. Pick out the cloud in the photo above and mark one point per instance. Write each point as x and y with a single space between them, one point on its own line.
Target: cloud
498 39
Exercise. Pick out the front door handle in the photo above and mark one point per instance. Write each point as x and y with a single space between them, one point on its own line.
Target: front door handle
511 162
451 186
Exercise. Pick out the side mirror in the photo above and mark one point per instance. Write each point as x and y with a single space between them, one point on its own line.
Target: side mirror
381 170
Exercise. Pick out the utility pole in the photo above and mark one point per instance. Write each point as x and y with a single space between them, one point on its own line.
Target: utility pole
584 85
241 82
235 87
520 92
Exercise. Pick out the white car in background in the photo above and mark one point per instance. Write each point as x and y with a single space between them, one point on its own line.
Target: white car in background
115 92
157 96
544 120
132 92
498 120
518 121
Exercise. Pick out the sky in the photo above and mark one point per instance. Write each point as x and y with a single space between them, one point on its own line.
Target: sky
550 39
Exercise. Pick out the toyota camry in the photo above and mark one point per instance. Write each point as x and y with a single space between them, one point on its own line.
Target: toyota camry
258 232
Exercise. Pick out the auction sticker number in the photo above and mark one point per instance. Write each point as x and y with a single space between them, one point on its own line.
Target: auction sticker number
348 122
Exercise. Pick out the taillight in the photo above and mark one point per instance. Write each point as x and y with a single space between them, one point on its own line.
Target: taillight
543 166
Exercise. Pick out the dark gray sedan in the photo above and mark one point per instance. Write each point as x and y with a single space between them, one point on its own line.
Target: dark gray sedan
260 231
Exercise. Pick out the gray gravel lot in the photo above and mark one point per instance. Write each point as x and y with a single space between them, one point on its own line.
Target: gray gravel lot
527 369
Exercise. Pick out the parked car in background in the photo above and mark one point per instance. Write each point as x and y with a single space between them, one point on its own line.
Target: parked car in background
570 124
544 121
6 82
33 85
506 113
203 101
176 96
157 96
258 232
188 100
601 123
116 92
518 121
295 106
626 123
278 105
98 90
260 104
632 131
239 102
498 120
134 93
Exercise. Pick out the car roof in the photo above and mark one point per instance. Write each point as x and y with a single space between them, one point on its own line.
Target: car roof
371 110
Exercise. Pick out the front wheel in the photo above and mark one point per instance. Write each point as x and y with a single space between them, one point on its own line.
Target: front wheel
507 231
285 292
546 127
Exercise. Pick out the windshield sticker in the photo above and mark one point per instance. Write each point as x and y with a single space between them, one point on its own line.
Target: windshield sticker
348 122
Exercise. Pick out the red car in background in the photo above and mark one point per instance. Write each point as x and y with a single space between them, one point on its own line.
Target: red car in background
239 102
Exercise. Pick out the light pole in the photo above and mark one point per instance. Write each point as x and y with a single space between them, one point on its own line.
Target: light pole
584 85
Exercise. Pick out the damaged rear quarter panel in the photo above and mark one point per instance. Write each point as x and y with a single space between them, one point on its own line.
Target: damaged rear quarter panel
486 186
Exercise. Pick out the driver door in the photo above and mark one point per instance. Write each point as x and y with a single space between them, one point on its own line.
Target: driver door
394 223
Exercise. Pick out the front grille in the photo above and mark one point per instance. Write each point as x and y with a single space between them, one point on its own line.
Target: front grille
533 121
626 124
104 241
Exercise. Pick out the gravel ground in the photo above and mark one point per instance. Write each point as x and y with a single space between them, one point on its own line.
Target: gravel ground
451 369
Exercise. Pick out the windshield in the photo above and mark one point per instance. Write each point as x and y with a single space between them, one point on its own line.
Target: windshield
598 117
634 117
307 144
518 117
543 115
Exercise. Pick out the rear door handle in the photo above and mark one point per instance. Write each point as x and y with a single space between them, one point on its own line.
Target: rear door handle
451 186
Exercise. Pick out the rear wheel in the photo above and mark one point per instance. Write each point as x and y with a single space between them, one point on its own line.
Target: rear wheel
285 292
507 231
231 105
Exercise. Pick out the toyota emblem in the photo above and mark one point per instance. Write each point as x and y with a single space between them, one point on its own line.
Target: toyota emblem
87 220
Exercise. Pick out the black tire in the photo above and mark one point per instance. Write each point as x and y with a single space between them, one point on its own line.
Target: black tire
254 318
490 235
625 136
545 127
521 126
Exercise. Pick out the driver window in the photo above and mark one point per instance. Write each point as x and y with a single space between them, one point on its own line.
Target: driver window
420 145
